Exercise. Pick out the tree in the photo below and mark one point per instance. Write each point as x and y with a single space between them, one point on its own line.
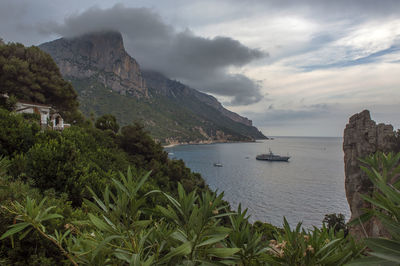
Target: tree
136 142
30 74
106 122
16 134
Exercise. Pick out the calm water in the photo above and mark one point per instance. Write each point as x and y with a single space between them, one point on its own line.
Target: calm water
304 189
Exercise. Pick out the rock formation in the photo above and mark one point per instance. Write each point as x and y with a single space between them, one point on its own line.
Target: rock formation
99 55
363 137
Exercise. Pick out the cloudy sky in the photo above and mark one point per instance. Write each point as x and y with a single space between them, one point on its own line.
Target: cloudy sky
296 68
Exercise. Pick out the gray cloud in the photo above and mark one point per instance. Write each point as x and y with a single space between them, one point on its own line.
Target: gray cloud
200 62
280 117
327 10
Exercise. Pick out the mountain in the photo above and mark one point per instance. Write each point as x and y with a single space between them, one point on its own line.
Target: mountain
100 55
109 80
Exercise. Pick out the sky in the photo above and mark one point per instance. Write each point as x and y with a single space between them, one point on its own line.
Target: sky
296 68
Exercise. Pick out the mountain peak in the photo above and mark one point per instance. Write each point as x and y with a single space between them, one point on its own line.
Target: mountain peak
101 55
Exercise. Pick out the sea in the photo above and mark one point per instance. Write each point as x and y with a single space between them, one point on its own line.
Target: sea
303 190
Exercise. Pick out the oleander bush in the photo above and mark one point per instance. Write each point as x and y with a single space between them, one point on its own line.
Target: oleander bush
118 228
319 246
384 172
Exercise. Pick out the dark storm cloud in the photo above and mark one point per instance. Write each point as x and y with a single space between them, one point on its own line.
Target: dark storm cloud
218 84
201 62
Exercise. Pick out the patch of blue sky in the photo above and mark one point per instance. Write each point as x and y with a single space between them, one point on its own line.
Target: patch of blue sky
371 58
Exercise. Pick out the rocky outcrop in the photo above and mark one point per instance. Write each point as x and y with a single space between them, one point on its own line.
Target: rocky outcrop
363 137
99 55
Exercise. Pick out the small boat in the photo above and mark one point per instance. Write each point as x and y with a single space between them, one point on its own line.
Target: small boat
218 164
272 157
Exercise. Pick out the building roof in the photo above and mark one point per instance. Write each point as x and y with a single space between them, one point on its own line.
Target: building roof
35 104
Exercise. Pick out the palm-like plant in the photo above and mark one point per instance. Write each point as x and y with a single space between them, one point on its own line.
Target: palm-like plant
119 230
198 234
316 247
32 216
252 248
383 171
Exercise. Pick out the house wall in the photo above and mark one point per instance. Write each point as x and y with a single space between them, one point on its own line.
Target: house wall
44 111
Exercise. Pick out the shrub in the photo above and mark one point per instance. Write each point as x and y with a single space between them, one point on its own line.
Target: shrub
336 222
107 122
16 135
315 247
383 171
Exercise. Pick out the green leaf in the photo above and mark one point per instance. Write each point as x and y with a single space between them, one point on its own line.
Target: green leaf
142 223
361 219
370 261
384 248
212 240
223 252
52 216
99 223
122 255
15 228
374 202
181 250
141 182
120 186
327 247
180 236
98 201
22 236
169 213
102 244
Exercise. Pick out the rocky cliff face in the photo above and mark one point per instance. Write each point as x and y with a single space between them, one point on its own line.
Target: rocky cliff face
174 89
211 101
99 55
363 137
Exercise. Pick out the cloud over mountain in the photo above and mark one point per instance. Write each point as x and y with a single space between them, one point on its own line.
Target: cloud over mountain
201 62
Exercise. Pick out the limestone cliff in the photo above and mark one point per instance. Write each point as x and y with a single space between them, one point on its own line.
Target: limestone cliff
99 55
362 137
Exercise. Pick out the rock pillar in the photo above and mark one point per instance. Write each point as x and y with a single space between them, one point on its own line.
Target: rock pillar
362 137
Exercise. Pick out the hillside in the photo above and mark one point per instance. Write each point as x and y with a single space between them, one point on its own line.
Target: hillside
108 80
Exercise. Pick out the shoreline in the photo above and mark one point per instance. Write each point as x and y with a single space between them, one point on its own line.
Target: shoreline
206 143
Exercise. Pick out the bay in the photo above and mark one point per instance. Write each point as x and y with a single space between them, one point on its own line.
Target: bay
303 190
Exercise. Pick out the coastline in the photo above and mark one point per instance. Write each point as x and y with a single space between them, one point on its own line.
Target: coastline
205 143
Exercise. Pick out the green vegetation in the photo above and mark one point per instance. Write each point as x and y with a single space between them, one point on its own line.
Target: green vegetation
30 74
107 122
164 118
383 171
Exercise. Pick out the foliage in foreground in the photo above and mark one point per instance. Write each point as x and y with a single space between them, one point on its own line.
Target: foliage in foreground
383 171
316 247
120 231
188 230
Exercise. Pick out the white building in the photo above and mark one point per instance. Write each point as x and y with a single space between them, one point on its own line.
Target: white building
48 116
